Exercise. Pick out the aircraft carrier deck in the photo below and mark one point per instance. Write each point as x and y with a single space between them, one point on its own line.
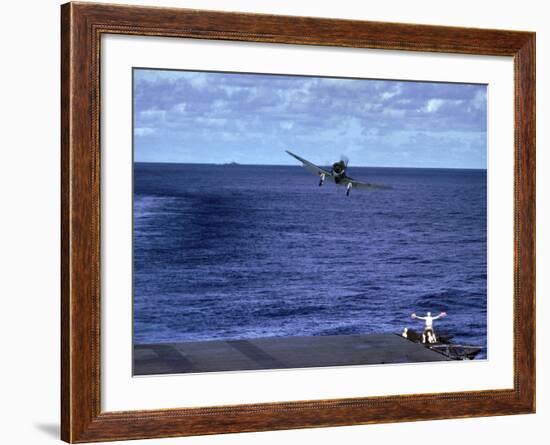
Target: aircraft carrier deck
278 353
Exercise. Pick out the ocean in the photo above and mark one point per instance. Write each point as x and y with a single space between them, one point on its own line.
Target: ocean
248 251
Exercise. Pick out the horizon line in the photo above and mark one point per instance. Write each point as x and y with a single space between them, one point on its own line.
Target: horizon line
233 163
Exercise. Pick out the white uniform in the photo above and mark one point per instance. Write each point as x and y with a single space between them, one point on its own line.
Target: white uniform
428 328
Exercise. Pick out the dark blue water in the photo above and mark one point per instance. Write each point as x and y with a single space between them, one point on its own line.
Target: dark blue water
228 252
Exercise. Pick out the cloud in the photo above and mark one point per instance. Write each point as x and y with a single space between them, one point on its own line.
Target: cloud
180 108
260 115
144 131
433 105
153 114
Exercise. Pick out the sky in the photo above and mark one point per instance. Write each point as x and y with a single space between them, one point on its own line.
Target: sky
208 117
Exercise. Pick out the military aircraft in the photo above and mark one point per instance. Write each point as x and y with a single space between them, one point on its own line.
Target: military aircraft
337 174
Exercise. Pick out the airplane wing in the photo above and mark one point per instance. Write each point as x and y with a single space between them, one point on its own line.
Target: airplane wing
362 185
312 167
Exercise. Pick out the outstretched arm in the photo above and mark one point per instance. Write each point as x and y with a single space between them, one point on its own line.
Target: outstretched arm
414 316
441 315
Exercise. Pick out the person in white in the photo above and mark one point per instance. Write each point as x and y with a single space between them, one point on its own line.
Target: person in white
429 332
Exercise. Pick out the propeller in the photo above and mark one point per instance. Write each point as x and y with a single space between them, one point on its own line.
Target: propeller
345 159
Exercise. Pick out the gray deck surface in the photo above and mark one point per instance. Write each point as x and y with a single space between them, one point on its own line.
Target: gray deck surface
278 353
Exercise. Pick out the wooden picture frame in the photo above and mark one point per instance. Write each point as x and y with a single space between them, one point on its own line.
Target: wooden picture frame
82 25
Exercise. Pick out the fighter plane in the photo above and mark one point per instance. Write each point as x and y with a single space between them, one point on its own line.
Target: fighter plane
337 174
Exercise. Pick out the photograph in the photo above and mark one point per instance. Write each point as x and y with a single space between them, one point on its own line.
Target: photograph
285 218
292 221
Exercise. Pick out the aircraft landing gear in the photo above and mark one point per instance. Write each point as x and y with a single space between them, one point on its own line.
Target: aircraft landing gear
321 179
348 188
